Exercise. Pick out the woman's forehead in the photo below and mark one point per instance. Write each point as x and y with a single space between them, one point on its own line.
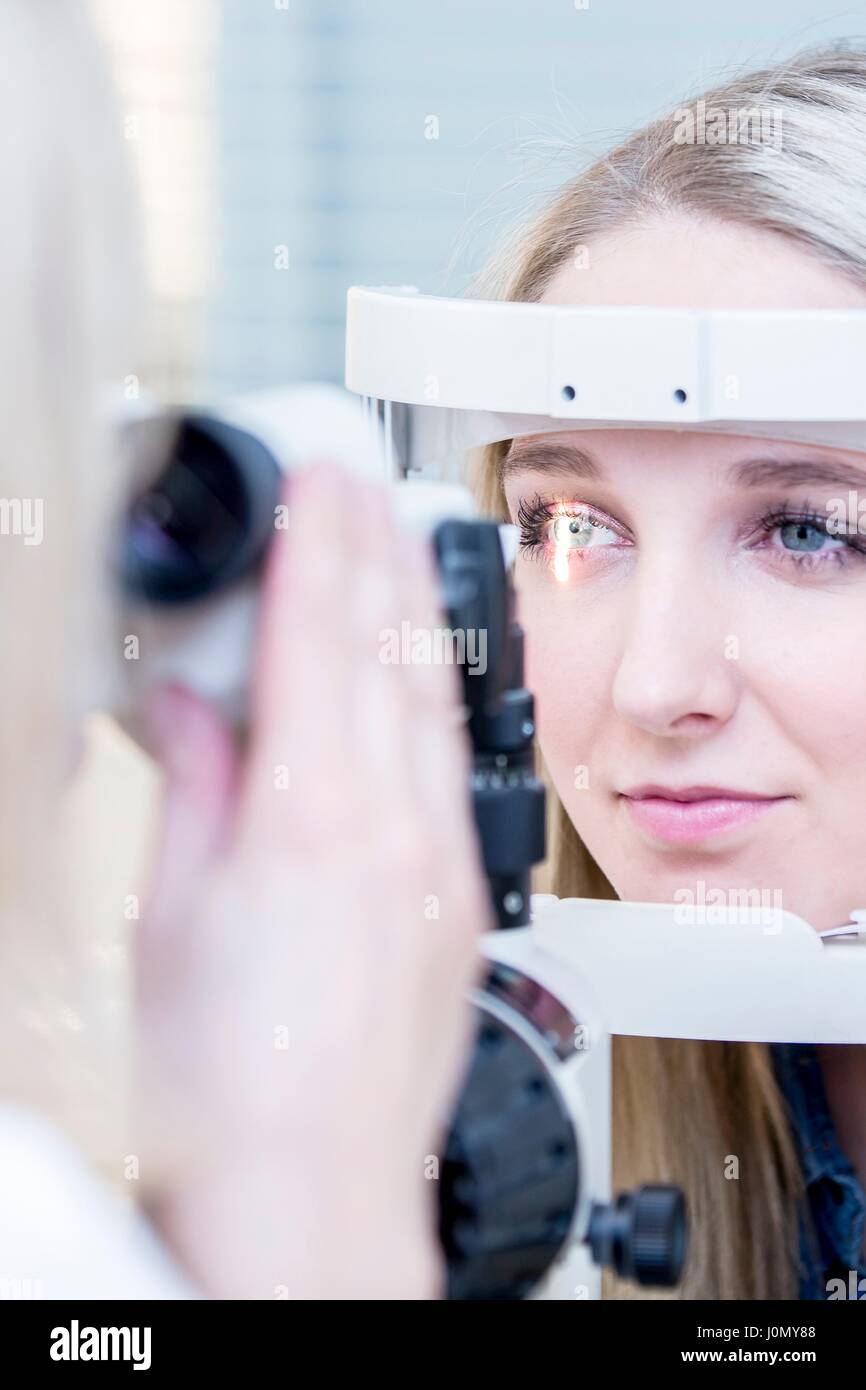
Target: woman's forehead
679 261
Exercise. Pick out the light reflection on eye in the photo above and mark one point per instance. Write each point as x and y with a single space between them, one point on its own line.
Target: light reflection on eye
570 532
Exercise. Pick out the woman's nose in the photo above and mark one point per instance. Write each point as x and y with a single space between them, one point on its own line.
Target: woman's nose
678 672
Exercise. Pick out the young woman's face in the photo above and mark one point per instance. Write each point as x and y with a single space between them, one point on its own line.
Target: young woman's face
696 639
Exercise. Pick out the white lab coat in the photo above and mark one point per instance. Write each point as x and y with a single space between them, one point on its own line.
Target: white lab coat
64 1233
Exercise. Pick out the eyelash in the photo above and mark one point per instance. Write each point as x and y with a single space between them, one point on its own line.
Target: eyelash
535 515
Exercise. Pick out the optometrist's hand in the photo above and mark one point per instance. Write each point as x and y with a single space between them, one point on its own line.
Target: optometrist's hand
312 930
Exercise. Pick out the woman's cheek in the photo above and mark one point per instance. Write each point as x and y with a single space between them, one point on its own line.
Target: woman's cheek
815 682
565 670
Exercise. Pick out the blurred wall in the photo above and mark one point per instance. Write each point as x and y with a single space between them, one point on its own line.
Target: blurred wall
290 148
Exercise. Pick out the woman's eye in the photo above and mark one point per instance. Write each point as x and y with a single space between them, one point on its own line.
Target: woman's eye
803 536
560 532
805 544
577 532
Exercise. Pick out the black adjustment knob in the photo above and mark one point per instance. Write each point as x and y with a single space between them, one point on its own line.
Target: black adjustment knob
642 1236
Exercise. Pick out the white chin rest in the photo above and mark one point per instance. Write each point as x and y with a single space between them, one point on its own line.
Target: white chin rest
738 974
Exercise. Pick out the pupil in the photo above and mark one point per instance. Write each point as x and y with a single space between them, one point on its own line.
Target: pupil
802 535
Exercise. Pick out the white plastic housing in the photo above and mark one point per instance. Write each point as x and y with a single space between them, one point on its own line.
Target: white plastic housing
476 371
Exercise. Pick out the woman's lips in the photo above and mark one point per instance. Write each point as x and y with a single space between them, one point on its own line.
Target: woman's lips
690 814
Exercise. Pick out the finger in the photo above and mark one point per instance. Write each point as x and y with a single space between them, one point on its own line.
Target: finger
197 757
300 735
440 762
381 627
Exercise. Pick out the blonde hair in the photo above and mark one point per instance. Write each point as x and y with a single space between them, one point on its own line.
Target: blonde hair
68 285
682 1108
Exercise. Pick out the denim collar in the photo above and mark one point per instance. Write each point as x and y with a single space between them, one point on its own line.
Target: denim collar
835 1196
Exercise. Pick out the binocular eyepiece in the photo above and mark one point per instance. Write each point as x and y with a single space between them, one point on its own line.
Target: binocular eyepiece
205 520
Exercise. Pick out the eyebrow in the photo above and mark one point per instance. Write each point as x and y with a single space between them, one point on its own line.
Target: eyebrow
564 460
557 459
789 472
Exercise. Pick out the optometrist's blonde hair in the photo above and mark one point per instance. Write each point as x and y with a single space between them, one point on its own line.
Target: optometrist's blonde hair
681 1108
68 287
